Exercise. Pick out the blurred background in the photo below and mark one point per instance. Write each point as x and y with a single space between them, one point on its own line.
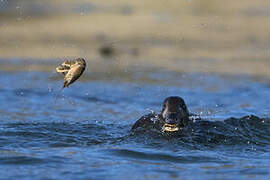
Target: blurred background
228 37
214 54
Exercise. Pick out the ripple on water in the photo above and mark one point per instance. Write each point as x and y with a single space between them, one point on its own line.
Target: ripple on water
86 133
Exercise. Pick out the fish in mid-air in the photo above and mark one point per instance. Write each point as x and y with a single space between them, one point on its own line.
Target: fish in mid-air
72 69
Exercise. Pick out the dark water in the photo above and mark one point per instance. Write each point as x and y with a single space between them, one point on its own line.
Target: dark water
86 133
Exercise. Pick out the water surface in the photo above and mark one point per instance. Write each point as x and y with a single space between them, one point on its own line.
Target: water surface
86 133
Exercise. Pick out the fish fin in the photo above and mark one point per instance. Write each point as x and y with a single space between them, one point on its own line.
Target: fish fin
62 69
68 63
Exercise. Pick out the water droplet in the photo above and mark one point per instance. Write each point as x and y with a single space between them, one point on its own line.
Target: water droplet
151 111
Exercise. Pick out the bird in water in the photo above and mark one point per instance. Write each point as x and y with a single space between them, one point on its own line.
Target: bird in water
72 69
173 117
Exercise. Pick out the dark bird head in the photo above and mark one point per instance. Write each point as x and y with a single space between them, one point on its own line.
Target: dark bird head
81 61
175 114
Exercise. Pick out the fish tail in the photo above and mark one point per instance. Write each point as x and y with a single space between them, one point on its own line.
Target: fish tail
66 83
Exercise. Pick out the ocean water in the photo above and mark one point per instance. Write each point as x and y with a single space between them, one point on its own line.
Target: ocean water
85 134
